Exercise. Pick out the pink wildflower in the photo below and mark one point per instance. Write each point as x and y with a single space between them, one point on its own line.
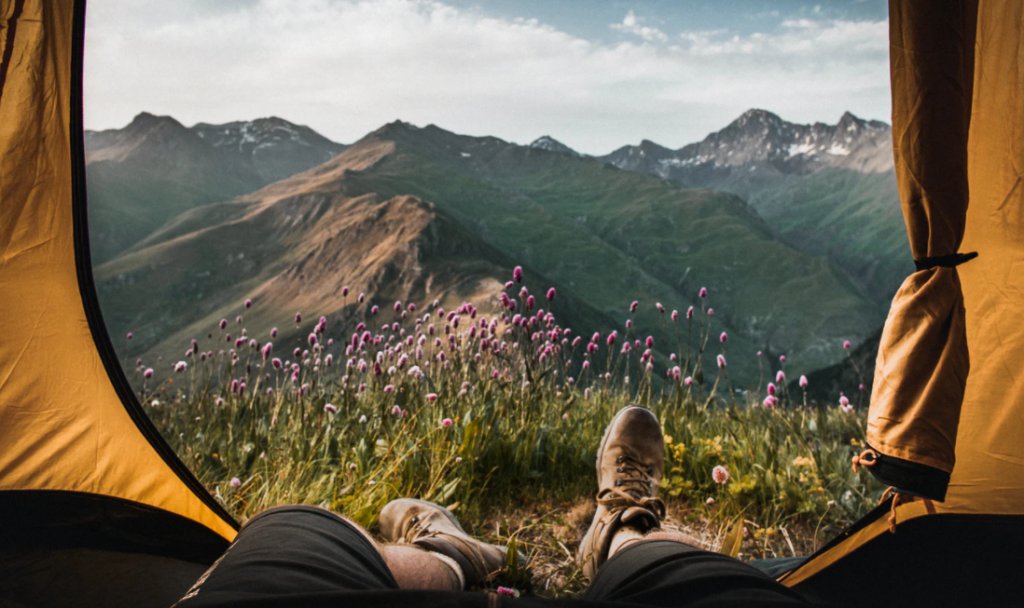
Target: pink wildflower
273 332
344 291
703 293
688 381
129 335
312 339
721 361
782 358
446 422
551 294
276 362
660 307
846 345
148 373
711 312
235 482
803 381
769 401
720 474
517 274
223 324
180 366
374 310
298 318
780 377
674 315
771 388
633 305
266 350
431 397
649 342
723 337
507 591
248 302
330 408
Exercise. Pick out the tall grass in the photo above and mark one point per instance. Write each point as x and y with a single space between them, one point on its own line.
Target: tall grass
491 412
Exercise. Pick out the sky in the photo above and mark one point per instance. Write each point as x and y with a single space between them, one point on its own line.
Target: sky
594 74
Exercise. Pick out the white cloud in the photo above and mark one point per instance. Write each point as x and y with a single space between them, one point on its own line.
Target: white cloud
346 67
631 25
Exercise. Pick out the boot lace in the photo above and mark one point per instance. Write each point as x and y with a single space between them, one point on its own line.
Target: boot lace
634 487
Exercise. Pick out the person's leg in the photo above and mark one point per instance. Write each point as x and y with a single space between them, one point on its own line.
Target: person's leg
418 525
304 549
627 555
666 568
416 568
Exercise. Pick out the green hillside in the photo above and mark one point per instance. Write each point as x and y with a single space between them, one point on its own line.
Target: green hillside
614 236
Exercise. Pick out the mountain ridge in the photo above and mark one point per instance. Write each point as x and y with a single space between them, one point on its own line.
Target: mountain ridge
554 213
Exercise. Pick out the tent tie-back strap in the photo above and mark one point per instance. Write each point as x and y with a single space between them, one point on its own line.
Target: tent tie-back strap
869 458
945 261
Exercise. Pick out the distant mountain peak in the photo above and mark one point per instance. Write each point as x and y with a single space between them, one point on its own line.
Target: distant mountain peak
761 140
546 142
147 121
757 116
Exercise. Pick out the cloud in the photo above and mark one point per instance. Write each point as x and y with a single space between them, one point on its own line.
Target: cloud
346 67
631 25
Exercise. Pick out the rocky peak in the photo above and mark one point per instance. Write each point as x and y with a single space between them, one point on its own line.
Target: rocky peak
546 142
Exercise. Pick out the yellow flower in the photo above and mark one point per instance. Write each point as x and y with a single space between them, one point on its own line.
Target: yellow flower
803 461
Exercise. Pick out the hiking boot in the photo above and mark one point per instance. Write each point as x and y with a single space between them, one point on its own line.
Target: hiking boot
630 462
434 528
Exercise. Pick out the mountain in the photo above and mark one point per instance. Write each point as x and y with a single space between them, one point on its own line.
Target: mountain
290 247
826 189
546 142
154 168
273 147
462 211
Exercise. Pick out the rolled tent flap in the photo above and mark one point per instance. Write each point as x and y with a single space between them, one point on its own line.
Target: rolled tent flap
923 360
70 426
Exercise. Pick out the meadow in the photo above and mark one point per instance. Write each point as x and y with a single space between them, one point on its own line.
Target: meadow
498 416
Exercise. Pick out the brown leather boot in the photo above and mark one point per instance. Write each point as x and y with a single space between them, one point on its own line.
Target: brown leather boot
434 528
630 462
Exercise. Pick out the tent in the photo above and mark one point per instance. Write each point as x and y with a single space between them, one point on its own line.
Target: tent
946 422
97 509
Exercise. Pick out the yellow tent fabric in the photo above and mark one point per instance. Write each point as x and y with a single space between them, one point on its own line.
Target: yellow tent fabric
923 361
63 424
987 482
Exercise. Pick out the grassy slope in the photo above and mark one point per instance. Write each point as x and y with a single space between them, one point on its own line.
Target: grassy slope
615 235
516 462
852 218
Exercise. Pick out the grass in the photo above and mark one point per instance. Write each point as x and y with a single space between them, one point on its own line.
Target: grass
499 418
